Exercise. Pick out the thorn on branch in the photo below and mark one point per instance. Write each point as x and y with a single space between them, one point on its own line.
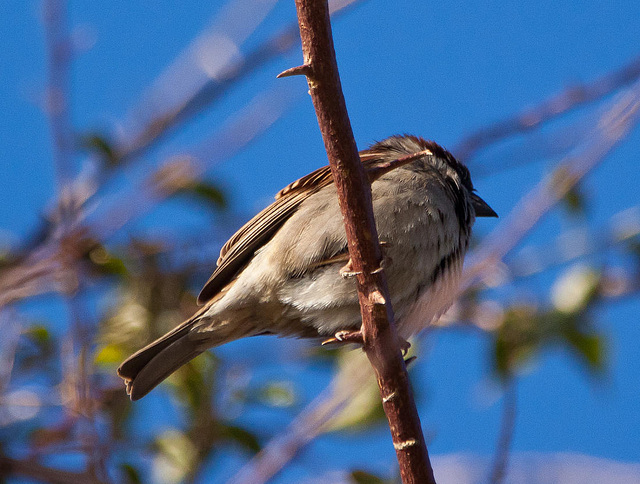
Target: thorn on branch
303 70
376 297
410 360
389 397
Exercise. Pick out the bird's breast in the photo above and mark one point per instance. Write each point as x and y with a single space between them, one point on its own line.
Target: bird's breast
432 301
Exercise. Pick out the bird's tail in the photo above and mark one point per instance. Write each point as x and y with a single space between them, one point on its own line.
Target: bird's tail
149 366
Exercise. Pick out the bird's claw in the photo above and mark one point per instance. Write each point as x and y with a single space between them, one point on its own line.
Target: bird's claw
344 337
347 271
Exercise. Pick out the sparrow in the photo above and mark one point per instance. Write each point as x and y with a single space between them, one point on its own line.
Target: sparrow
281 272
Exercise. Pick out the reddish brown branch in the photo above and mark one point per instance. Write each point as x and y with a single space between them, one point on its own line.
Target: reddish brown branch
354 193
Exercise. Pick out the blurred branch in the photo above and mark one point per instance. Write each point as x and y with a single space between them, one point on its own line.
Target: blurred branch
214 88
46 268
31 469
53 264
57 105
306 426
613 126
507 428
10 335
576 243
555 106
41 271
84 401
178 170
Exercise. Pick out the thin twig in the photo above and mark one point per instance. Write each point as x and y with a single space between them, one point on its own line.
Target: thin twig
354 194
85 395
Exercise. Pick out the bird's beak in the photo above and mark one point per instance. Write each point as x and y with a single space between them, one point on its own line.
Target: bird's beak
481 207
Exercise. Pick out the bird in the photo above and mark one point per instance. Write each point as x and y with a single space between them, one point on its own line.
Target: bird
281 274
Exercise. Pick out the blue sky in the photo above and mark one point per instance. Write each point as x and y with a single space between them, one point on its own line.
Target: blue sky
435 69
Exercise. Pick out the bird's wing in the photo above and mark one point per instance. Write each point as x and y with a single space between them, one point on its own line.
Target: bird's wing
239 249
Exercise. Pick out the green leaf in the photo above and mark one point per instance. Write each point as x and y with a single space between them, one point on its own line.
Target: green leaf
364 407
193 383
211 193
576 289
575 201
101 146
132 476
501 354
207 192
109 355
106 263
278 394
517 339
633 245
589 346
241 436
177 455
363 477
526 329
39 334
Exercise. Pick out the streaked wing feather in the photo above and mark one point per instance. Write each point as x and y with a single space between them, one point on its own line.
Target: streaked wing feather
256 232
239 249
318 178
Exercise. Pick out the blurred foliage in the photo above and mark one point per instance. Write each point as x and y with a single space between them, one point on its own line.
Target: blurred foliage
364 409
61 399
207 192
129 474
526 328
526 331
362 477
575 201
101 146
105 263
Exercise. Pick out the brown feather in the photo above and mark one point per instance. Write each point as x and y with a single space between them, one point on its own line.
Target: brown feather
239 249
